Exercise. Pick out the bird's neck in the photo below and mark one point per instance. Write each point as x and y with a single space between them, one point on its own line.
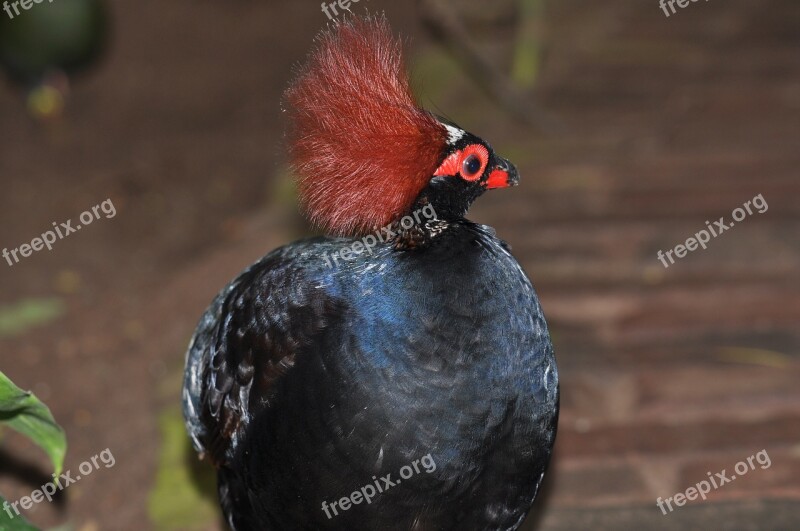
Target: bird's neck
419 235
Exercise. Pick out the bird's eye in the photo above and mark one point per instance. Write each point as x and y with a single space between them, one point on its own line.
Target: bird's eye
474 159
471 166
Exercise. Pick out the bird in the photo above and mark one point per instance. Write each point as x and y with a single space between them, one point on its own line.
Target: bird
43 47
396 373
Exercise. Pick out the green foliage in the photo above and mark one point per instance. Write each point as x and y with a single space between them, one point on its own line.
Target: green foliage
184 497
64 35
436 75
528 52
25 413
28 313
17 523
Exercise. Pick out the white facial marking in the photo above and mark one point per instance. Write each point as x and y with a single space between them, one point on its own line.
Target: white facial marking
454 134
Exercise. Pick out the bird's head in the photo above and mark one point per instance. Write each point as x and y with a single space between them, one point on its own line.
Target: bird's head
364 153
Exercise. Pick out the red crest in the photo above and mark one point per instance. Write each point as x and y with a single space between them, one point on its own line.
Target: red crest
361 147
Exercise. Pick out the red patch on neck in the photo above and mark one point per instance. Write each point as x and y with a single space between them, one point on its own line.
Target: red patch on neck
361 147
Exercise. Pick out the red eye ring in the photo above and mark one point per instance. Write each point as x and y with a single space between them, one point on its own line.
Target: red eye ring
462 163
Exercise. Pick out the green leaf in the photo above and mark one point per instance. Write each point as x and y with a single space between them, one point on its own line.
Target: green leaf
13 522
28 313
26 414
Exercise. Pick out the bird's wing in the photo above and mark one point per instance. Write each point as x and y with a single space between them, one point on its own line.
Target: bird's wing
247 340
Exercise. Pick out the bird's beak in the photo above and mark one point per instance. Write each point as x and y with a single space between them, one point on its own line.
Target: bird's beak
503 175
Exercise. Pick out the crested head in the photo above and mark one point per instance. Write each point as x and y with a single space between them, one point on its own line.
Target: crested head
361 147
363 151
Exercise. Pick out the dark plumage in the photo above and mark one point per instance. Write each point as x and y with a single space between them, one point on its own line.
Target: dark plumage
309 379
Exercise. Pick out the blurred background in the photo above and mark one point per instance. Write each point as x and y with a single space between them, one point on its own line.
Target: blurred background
630 129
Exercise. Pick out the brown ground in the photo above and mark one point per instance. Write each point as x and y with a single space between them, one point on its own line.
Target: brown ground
666 373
